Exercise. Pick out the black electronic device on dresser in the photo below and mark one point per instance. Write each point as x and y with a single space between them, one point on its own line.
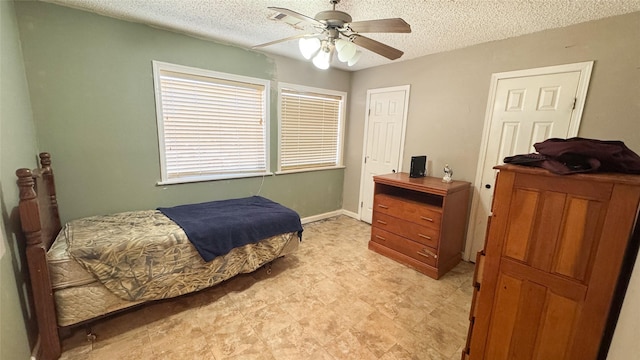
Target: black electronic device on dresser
418 166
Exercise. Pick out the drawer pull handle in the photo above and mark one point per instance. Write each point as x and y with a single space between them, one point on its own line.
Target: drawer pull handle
428 254
381 238
426 218
425 236
383 206
381 222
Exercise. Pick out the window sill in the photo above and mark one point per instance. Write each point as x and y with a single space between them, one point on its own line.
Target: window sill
309 170
194 179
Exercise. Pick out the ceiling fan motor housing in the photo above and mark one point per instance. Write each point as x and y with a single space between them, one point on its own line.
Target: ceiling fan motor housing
334 18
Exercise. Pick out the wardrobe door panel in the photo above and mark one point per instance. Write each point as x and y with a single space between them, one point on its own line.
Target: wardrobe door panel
556 327
579 237
522 213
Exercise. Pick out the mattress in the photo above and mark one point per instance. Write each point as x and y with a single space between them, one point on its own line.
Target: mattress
150 273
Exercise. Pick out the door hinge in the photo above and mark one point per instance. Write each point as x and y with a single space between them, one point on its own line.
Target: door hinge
365 159
575 100
361 203
369 112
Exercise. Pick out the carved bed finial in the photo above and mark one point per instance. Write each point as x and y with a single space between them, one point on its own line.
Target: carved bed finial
45 160
28 206
25 184
47 176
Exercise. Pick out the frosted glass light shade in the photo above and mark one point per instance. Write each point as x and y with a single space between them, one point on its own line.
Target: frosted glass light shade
322 60
340 44
347 52
354 59
308 47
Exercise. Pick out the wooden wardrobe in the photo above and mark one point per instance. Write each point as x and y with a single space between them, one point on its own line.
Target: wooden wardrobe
547 279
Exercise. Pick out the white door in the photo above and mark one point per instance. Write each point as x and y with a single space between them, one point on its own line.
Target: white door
527 107
384 140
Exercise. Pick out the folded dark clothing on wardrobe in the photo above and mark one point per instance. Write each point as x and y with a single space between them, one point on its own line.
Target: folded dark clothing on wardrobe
566 164
598 155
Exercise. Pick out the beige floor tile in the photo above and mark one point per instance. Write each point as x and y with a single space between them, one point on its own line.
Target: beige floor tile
187 346
323 324
381 299
299 305
325 290
236 340
351 308
269 322
400 353
442 336
379 333
348 346
123 350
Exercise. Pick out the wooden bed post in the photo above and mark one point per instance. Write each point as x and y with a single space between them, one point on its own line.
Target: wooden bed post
38 269
47 177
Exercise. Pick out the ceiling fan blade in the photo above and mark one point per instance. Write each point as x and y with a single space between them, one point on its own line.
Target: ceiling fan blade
377 47
296 15
283 40
395 25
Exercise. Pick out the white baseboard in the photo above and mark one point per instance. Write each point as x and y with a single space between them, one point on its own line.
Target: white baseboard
350 214
327 215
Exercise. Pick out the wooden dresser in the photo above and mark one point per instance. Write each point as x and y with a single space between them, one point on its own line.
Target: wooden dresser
550 280
420 222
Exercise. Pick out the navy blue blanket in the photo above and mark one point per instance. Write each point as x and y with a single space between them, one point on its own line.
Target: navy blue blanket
216 227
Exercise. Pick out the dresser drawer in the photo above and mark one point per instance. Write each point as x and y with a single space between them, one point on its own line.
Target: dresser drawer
410 248
422 234
412 211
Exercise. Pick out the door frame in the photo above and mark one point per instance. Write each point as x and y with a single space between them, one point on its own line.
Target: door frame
407 90
574 124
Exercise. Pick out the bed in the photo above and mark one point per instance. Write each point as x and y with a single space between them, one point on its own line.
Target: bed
98 265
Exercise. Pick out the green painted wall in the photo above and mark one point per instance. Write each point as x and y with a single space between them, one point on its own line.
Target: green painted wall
91 87
17 149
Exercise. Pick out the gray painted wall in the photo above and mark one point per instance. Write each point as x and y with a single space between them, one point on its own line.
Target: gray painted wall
17 149
449 93
91 87
448 99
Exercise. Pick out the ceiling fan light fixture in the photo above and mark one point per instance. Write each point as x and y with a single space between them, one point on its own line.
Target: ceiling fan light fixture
322 60
333 24
348 51
309 46
355 58
340 44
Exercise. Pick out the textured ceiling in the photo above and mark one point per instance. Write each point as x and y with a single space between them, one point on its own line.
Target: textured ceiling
437 25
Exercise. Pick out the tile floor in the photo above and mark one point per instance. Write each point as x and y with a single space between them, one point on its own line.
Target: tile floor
333 299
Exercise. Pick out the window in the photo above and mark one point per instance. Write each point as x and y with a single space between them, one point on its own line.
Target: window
311 128
210 125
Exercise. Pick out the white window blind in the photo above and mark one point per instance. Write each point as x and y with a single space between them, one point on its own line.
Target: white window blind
209 126
310 129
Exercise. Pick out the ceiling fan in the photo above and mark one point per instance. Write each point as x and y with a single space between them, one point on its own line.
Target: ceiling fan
337 32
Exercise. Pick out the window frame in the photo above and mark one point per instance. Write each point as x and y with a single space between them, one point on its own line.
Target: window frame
341 125
158 67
